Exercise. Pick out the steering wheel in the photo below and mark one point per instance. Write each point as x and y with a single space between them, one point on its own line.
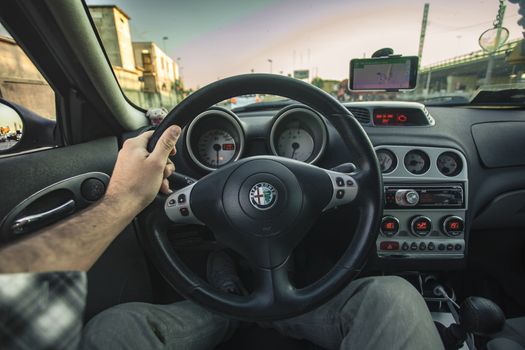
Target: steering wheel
263 206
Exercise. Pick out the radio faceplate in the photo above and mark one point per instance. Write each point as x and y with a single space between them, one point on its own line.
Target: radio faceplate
424 214
400 196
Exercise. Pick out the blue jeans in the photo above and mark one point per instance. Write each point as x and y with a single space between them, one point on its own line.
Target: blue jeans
370 313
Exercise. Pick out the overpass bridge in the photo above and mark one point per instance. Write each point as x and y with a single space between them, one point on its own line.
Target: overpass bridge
462 75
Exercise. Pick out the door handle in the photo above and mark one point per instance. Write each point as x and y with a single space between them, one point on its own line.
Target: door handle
20 225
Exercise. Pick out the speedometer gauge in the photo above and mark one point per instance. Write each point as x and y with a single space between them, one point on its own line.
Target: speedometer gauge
215 138
216 147
295 143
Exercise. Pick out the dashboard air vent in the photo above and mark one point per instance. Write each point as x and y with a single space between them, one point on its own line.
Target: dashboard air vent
361 114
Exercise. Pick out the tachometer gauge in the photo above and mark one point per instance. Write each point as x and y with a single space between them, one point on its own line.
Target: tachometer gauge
216 147
387 160
295 143
449 164
417 162
299 133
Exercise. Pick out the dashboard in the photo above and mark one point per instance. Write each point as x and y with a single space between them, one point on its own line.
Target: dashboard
427 158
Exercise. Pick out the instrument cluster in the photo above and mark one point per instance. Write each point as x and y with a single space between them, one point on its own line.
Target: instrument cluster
217 136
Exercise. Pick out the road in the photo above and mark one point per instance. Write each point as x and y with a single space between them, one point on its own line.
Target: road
6 145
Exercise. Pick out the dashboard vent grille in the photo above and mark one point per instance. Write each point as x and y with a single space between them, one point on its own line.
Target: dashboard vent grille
361 114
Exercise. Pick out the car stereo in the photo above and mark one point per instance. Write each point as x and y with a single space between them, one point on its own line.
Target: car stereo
424 197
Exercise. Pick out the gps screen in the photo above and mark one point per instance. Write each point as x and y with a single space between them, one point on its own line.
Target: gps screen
389 73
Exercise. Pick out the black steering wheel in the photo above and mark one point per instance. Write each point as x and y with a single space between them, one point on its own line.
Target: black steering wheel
262 207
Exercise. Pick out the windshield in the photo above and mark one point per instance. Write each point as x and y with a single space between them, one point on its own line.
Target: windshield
162 51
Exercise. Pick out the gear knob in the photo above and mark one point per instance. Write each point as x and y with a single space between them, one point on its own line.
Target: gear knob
481 316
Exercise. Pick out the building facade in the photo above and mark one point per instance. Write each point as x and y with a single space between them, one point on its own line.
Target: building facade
146 74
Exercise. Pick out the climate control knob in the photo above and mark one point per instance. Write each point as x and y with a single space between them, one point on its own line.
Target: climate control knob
453 225
420 225
406 198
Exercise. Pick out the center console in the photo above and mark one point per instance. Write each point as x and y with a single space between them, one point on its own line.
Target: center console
425 203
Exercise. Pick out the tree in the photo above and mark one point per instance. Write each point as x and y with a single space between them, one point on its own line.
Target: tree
318 82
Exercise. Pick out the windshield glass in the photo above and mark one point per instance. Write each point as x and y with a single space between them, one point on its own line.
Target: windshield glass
161 51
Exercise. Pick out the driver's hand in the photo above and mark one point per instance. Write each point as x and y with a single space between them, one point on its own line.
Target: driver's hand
139 175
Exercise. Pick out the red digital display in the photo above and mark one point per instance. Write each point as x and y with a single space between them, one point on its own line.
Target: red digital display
390 225
454 225
395 118
228 146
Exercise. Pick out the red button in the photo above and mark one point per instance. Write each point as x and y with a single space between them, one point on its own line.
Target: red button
389 245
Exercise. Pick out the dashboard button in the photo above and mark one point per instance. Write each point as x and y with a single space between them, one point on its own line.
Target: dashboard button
431 246
450 246
405 246
389 245
340 182
413 246
421 226
453 225
389 226
340 194
458 246
441 246
422 246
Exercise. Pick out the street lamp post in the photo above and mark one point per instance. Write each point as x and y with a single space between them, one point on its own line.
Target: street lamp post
164 39
271 65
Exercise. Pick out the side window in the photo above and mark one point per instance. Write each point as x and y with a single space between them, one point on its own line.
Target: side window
27 102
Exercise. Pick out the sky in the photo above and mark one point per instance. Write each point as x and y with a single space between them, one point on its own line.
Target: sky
220 38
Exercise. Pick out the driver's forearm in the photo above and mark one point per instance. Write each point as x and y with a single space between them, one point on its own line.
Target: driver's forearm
72 244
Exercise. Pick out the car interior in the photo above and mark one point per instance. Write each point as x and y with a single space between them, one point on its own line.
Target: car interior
432 192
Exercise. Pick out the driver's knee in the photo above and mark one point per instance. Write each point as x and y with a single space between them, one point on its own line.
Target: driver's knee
147 326
389 296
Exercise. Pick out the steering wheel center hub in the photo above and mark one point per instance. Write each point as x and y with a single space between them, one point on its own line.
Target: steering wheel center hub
262 197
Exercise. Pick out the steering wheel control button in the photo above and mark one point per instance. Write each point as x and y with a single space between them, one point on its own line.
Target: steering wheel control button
420 226
180 212
389 245
406 198
341 196
263 196
453 226
389 226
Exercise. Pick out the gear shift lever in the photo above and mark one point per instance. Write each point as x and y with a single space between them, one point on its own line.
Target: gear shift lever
481 316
